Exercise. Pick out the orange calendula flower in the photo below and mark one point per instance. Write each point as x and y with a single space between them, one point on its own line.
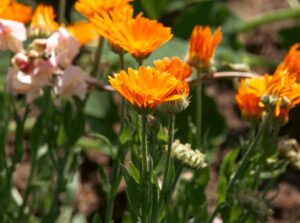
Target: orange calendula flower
276 94
291 61
248 97
88 8
146 87
84 32
109 24
138 36
12 10
282 93
175 66
43 20
202 46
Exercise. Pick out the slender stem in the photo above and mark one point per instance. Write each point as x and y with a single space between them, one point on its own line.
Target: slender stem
97 59
145 167
116 165
61 10
242 166
27 193
199 111
266 18
165 185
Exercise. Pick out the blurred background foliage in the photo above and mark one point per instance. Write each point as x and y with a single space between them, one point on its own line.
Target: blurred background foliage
237 47
182 16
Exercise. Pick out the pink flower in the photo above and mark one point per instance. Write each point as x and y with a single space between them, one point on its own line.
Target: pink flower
22 83
71 83
64 46
12 35
34 65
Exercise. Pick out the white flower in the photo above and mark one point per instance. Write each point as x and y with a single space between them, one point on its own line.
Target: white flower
64 46
71 82
12 35
22 83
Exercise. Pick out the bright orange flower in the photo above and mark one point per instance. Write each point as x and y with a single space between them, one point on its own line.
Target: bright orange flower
282 92
12 10
109 24
84 32
291 61
202 46
248 97
88 8
141 36
3 5
175 66
146 87
276 94
43 20
138 36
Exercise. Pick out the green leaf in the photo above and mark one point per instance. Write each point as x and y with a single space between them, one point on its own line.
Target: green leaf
135 173
133 192
104 179
126 135
227 168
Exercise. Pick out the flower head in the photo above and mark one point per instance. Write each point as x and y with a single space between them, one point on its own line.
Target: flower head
141 36
146 87
275 94
138 36
282 93
175 66
109 24
202 46
12 10
291 61
12 35
43 20
84 32
248 97
88 8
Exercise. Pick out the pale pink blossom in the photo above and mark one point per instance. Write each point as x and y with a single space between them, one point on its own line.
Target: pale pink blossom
34 65
64 46
12 35
22 83
71 82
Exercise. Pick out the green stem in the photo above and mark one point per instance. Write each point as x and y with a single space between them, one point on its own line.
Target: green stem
145 168
199 111
165 191
242 166
97 59
61 10
266 18
116 176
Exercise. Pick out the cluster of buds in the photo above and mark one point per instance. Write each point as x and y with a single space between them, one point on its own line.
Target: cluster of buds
190 157
254 202
290 149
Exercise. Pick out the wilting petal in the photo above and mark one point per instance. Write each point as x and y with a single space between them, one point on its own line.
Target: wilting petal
71 83
12 35
64 46
21 83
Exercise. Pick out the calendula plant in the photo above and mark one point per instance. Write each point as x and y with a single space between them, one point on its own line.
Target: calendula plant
66 93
